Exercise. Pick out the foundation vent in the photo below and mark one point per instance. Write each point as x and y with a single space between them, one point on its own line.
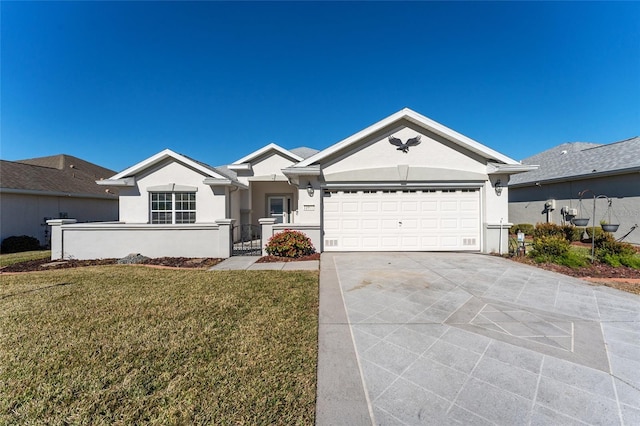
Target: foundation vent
468 241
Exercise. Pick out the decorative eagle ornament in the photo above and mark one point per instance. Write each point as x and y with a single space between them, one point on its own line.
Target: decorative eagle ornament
404 147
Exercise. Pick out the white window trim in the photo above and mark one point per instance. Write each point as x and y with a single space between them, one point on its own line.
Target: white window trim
173 211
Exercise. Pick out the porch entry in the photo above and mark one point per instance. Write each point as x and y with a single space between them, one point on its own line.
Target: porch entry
279 207
247 240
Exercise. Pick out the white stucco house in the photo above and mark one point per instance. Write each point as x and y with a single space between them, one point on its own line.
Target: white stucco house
405 183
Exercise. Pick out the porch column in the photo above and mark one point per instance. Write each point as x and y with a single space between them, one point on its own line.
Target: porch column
57 243
266 223
225 239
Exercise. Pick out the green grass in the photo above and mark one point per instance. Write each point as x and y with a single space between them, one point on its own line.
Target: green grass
132 345
11 258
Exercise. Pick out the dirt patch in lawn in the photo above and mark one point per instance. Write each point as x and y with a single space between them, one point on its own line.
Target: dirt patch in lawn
47 264
622 277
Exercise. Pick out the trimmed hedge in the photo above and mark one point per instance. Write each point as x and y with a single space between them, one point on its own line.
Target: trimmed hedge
17 244
527 228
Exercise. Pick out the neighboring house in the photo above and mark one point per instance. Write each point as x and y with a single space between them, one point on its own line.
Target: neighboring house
35 190
405 183
551 193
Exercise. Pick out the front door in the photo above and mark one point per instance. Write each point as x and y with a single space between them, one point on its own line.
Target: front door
279 208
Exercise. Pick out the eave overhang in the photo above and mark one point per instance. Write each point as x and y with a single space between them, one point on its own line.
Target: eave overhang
129 181
240 167
561 179
302 171
509 169
223 182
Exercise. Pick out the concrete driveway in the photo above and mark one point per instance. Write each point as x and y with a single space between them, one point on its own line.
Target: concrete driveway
455 338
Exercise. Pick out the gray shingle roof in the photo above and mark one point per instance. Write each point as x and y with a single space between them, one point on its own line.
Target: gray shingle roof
304 151
56 174
580 159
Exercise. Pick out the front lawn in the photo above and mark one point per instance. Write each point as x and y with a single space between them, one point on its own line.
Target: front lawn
25 256
132 345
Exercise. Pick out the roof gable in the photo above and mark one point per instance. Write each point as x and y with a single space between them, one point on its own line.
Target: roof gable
264 150
407 114
162 156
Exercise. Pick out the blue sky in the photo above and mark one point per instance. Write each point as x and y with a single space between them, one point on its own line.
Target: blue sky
116 82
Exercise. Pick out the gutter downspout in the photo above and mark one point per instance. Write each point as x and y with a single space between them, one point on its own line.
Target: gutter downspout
500 238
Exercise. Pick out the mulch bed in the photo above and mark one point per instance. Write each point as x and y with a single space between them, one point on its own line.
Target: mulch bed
596 270
622 277
47 264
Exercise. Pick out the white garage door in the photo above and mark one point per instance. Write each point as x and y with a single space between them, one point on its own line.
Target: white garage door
407 220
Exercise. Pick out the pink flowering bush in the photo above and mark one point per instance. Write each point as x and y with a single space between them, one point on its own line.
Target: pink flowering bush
290 243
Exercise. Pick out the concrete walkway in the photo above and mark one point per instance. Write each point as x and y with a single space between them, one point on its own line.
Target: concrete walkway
249 263
455 338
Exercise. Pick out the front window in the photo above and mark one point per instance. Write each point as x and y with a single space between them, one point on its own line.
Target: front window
173 207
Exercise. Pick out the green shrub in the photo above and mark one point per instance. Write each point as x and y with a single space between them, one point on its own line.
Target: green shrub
16 244
557 249
632 261
615 253
549 248
548 230
527 228
573 259
290 243
599 232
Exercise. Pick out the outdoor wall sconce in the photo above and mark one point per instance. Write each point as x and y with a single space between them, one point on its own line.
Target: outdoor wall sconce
498 187
310 189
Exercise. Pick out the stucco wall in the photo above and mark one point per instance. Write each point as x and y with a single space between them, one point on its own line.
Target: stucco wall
117 240
25 214
134 202
433 151
527 204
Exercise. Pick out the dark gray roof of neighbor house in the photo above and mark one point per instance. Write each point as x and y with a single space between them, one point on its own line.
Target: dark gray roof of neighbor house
57 174
581 160
304 151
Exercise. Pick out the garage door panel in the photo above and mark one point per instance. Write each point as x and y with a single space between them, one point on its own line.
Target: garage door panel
466 223
350 242
429 206
402 220
449 206
370 206
350 207
370 242
331 225
390 242
370 224
449 223
331 207
429 224
407 207
410 224
390 206
350 225
386 224
451 241
469 206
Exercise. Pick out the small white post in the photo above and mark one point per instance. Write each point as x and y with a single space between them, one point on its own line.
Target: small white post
57 237
266 231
